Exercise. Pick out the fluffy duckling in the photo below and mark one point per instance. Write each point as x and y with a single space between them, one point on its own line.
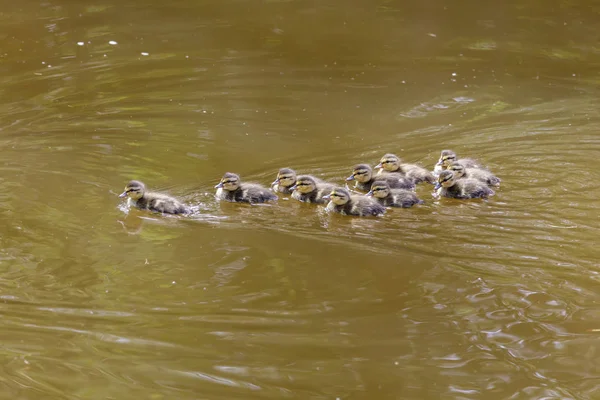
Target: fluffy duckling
286 178
393 163
362 174
447 157
309 190
450 186
342 202
231 189
136 194
388 197
481 175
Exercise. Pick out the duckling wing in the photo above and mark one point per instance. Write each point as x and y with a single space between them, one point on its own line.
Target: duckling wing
472 189
255 193
397 180
483 175
364 206
165 204
404 198
417 173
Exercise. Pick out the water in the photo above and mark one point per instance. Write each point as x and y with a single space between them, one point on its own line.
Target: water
451 299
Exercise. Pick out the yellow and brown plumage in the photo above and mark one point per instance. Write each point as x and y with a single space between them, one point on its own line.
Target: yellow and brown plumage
137 196
232 189
450 186
391 163
363 177
340 201
389 197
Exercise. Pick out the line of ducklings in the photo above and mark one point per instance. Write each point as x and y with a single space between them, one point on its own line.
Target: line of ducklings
392 186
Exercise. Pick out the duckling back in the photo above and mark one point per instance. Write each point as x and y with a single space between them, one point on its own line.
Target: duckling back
361 206
252 193
400 198
316 196
417 173
482 175
467 188
396 180
160 203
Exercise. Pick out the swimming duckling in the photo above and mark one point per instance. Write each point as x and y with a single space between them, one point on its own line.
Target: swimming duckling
309 190
362 174
388 197
481 175
450 186
136 194
286 178
393 163
342 202
447 157
231 189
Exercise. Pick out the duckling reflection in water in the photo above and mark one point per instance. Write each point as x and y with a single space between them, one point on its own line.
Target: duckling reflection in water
447 157
309 190
232 189
362 175
340 201
136 194
286 178
388 197
450 186
391 163
481 175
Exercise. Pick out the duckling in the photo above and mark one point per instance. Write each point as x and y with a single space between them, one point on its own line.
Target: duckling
231 189
309 190
481 175
286 178
447 157
388 197
341 202
450 186
362 174
393 163
136 194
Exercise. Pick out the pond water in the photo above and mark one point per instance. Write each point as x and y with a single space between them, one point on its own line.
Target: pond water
452 299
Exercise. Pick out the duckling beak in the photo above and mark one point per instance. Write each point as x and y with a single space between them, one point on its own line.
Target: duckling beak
440 163
124 194
275 182
293 188
350 178
378 166
369 193
220 185
327 197
437 186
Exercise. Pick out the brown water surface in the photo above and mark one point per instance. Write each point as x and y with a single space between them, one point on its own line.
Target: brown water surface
495 299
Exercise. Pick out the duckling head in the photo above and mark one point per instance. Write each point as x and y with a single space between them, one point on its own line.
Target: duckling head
445 179
134 190
285 178
229 181
304 184
447 157
457 168
389 162
379 189
338 196
361 173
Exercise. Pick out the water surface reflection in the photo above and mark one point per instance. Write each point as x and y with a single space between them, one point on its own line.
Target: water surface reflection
450 299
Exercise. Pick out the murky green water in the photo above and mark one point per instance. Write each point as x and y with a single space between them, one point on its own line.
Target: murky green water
492 299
